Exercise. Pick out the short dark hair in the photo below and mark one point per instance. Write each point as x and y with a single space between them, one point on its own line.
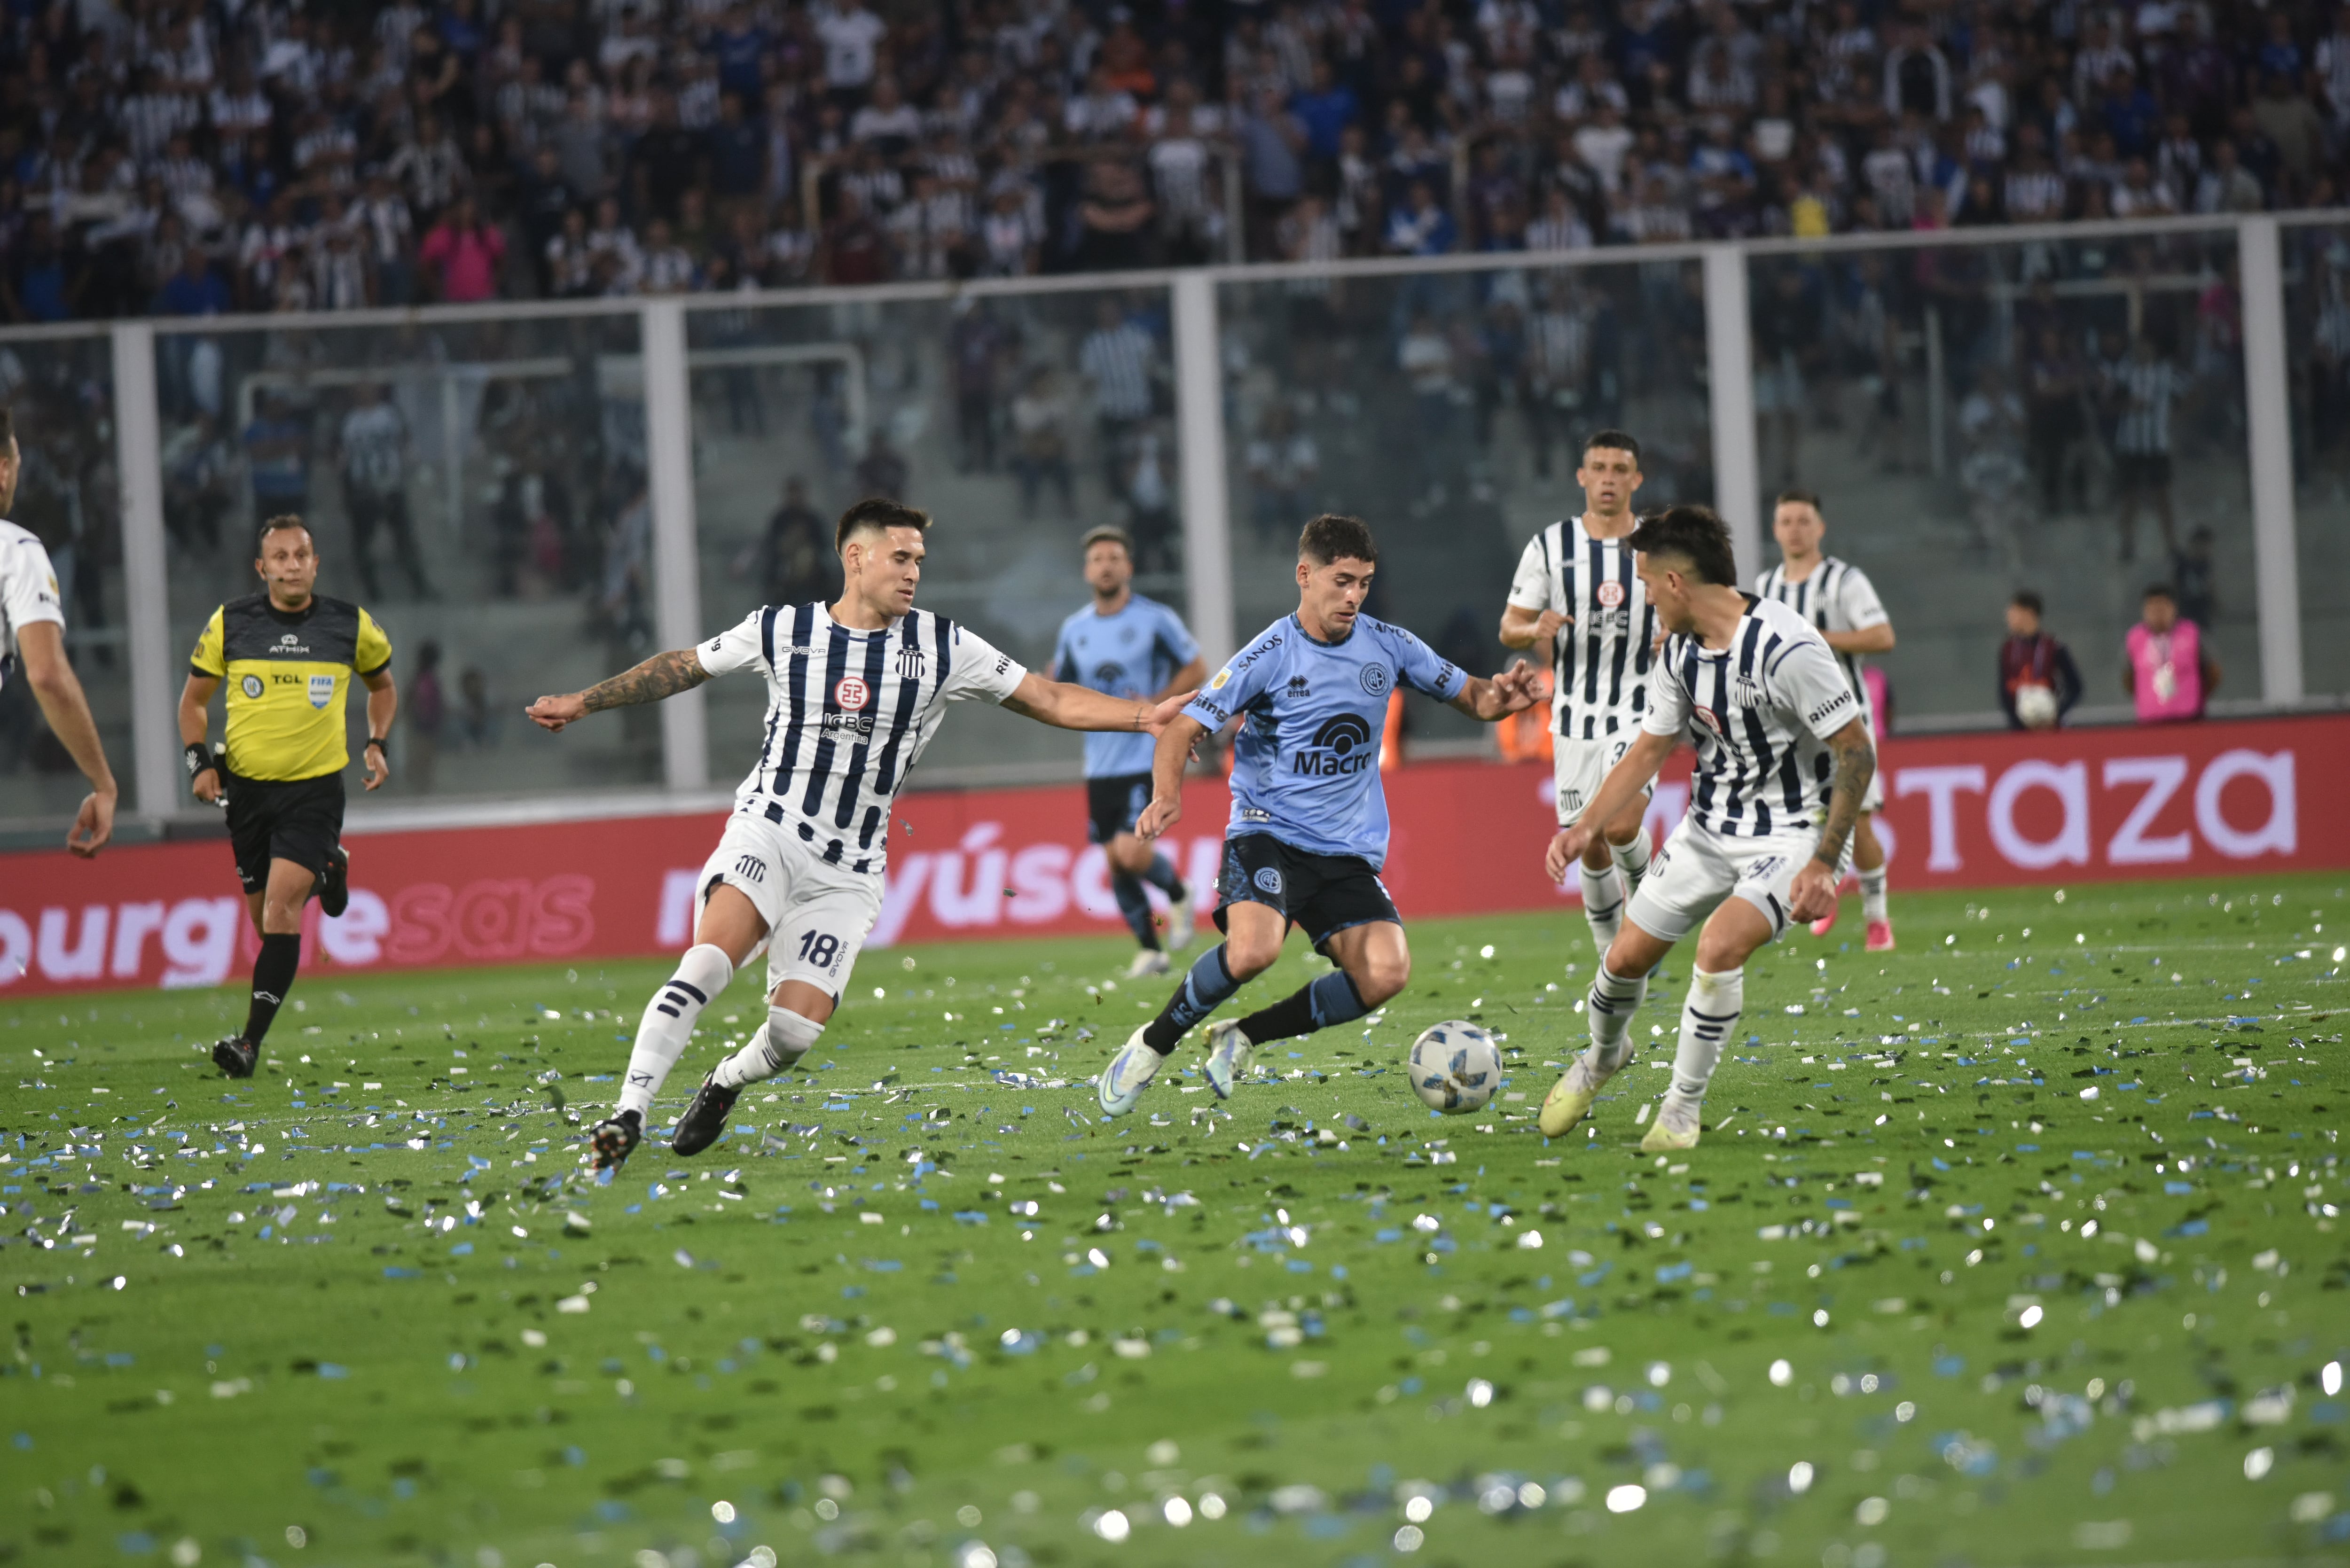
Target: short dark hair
1696 535
1107 533
276 524
2026 600
1614 440
877 514
2160 591
1797 496
1334 536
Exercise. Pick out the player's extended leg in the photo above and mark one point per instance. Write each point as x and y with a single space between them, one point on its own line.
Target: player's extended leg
1253 938
1133 866
1616 994
1374 964
1868 862
1717 995
276 910
730 929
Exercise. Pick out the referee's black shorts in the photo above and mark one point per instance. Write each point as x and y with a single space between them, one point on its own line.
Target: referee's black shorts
299 820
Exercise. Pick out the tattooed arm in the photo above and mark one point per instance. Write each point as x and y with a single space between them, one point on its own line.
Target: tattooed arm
1813 891
662 675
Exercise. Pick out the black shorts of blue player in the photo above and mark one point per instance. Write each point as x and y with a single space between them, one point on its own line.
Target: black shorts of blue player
1114 804
1322 895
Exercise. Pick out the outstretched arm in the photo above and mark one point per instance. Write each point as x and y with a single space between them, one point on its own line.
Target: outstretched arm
1813 892
662 675
1522 627
1066 706
1511 692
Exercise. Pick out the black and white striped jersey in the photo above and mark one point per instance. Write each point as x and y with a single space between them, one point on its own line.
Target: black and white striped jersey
1836 596
1759 712
1599 663
848 713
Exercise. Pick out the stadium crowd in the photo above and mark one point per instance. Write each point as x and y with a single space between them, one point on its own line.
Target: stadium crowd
184 157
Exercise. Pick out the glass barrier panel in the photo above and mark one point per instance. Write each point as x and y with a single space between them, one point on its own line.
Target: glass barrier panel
2317 353
60 393
2064 418
478 486
1448 411
1017 422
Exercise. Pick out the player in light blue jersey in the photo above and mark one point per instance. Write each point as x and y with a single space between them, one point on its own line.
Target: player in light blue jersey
1124 645
1309 825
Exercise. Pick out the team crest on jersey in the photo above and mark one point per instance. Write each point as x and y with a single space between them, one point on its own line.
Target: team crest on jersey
1611 595
1376 680
1748 693
252 684
322 691
910 662
851 693
1570 800
1223 677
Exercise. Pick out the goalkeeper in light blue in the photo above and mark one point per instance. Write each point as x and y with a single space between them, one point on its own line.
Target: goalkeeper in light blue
1309 825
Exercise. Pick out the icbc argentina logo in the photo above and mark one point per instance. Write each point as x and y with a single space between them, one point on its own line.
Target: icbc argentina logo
851 694
1610 595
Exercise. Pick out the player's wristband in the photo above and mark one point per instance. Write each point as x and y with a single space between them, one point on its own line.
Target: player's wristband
381 743
199 760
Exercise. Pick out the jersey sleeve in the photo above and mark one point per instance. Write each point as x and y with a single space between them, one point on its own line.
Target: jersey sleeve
1174 639
1419 667
29 585
1669 700
1530 590
210 657
1809 681
373 651
1243 679
981 669
739 647
1856 597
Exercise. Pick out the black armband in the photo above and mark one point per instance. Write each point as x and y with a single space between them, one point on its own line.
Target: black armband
381 743
199 759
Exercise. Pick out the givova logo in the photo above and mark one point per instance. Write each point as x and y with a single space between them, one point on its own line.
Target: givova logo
1341 746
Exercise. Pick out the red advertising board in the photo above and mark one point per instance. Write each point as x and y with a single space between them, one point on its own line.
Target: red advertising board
1961 812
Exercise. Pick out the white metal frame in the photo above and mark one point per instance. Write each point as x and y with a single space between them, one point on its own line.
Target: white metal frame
668 363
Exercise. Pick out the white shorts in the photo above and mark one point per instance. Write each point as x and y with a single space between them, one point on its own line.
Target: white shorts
1579 766
1697 869
817 916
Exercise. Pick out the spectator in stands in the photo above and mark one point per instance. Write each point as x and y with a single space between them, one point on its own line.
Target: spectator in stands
462 257
2031 657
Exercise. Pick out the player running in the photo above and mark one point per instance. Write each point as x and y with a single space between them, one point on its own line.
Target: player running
1784 759
854 691
33 633
289 655
1124 645
1309 825
1576 596
1841 603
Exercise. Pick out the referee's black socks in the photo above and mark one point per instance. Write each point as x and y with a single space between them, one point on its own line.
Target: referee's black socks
273 976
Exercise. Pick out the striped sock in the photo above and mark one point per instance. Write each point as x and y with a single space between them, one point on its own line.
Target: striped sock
1714 1003
1613 1001
1603 904
669 1021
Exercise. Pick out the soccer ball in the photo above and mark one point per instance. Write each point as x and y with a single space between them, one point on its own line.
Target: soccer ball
1455 1067
2035 705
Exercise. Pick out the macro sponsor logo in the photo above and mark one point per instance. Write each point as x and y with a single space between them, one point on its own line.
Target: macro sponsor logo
1343 745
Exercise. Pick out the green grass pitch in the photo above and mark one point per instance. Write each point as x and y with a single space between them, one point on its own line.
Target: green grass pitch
2018 1245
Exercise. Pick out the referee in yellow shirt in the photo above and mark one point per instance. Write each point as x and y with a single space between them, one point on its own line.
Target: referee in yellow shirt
290 657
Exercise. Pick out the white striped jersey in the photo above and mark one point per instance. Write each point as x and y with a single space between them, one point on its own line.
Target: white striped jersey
1599 664
848 714
1759 712
1836 596
28 590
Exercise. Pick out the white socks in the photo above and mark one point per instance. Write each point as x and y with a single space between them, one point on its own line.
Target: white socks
1872 895
780 1043
1603 903
1632 859
1714 1003
668 1025
1609 1007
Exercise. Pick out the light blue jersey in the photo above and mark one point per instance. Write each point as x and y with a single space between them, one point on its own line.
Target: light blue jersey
1134 653
1306 766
